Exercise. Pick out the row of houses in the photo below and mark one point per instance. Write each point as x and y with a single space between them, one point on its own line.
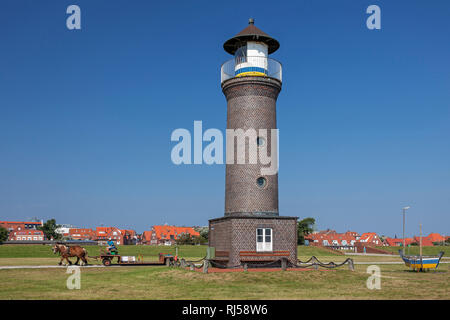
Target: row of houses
23 230
330 238
158 235
166 235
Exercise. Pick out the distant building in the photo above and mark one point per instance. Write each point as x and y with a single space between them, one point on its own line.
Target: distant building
166 235
332 238
426 241
81 234
371 238
146 237
20 225
119 236
26 235
64 229
435 237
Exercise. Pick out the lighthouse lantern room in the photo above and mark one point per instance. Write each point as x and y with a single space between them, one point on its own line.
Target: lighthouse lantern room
251 48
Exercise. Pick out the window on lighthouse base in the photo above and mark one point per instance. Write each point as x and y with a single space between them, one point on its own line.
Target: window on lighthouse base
263 239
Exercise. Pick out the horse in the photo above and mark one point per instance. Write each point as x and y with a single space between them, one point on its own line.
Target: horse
73 251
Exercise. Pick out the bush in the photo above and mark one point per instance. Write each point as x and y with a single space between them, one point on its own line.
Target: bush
3 235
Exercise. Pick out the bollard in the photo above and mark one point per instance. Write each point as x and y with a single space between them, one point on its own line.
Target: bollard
205 266
316 266
283 264
351 266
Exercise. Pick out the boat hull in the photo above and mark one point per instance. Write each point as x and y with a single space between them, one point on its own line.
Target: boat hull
421 263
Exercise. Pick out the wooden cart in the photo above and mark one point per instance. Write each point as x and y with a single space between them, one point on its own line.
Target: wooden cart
107 260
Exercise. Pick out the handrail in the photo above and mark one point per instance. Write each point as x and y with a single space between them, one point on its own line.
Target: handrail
251 66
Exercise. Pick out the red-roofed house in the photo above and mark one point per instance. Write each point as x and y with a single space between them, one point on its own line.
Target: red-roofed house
120 237
370 238
435 237
167 235
81 234
26 235
20 225
330 239
425 241
397 242
146 237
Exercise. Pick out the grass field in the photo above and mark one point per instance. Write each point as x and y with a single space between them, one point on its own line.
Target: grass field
26 253
397 282
171 283
414 250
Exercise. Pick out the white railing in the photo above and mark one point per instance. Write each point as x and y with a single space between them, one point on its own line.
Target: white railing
250 66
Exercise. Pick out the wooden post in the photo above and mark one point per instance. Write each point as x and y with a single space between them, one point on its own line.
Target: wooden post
351 266
283 264
205 266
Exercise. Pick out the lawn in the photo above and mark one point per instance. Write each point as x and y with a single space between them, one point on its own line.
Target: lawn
175 283
425 250
24 254
397 281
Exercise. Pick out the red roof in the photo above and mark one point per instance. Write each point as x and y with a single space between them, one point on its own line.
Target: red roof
165 232
28 232
425 242
147 235
331 238
435 237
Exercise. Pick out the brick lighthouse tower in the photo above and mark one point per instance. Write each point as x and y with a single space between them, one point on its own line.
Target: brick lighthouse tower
252 231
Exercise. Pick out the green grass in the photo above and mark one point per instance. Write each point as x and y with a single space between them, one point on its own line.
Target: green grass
308 251
174 283
398 282
149 252
414 250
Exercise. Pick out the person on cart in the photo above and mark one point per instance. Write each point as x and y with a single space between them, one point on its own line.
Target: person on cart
112 247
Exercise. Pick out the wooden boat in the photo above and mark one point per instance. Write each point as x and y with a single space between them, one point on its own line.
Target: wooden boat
420 262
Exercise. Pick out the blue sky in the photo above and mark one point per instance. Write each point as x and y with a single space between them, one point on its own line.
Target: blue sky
86 115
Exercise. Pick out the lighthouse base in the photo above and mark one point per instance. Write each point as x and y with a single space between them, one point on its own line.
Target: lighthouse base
253 240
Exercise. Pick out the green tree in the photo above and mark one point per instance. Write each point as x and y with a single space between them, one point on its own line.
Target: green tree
49 229
305 227
3 235
184 238
204 234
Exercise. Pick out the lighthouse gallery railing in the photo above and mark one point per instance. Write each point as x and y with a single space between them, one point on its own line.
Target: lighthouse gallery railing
250 66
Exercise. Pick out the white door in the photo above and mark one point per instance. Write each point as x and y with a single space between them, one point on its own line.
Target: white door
263 239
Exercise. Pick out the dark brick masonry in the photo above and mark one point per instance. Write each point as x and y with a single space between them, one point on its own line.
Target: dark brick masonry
234 235
251 104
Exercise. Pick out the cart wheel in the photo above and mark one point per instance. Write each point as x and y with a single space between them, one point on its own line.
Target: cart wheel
106 262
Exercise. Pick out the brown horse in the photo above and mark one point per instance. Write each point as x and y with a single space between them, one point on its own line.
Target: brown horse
73 251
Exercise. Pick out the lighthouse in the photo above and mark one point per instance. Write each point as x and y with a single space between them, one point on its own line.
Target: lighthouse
251 231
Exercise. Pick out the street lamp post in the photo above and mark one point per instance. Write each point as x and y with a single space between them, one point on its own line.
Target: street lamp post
404 211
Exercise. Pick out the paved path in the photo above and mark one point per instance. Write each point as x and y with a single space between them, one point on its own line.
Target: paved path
46 267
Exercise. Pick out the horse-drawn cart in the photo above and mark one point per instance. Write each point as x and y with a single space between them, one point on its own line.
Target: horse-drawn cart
107 260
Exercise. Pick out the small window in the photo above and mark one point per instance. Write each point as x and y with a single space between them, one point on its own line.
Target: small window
260 141
263 239
261 182
241 55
